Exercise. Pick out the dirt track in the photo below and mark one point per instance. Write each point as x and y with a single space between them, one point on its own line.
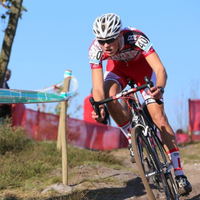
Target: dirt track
127 184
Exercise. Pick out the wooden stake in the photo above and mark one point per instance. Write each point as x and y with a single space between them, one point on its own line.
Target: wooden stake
62 131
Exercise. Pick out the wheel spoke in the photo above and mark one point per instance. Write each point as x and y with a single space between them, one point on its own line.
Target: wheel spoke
152 165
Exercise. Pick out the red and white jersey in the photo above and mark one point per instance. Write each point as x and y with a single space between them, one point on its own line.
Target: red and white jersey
134 45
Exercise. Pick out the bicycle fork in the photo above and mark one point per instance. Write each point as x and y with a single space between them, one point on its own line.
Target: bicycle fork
164 167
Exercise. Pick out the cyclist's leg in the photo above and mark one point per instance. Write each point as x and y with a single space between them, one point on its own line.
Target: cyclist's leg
116 79
168 137
113 84
160 119
119 115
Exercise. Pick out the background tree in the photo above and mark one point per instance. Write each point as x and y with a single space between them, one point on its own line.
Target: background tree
13 10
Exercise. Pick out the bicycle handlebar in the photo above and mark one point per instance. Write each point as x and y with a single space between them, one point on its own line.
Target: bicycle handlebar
133 89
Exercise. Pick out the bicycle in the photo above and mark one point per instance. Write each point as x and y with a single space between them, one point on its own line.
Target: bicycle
153 163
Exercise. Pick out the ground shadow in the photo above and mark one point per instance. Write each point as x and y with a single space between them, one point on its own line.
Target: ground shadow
197 197
133 188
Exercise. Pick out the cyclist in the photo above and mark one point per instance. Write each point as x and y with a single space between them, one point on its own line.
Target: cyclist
129 53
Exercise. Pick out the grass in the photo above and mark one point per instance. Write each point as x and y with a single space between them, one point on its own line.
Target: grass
28 166
191 154
11 139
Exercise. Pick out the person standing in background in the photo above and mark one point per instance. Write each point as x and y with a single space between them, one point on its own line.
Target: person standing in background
6 109
7 78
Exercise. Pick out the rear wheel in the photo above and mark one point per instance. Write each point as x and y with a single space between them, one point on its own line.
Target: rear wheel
149 166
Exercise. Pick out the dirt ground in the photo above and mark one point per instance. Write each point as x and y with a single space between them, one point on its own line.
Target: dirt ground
103 183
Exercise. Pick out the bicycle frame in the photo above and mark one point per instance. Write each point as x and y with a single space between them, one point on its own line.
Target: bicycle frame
124 93
148 130
140 119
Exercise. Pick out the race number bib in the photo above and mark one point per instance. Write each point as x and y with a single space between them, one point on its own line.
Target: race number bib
143 43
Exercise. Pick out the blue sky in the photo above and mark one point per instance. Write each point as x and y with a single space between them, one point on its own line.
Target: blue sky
55 36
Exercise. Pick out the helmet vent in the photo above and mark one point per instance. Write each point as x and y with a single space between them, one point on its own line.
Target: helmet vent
103 27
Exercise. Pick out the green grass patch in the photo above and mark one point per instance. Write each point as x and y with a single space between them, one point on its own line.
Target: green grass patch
83 156
191 154
29 166
12 139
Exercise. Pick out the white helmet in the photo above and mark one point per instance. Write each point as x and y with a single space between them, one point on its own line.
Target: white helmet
107 26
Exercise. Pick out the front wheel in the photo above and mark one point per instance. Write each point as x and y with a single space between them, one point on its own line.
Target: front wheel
148 165
166 167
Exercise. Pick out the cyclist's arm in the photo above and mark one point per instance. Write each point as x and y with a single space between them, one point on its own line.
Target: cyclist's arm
98 91
97 82
158 68
161 75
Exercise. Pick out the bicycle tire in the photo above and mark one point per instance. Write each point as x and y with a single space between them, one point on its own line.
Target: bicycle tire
165 161
148 166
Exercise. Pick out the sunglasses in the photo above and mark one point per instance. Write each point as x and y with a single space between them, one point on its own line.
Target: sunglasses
102 42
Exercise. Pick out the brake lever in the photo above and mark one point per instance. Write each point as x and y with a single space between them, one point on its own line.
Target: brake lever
95 105
149 85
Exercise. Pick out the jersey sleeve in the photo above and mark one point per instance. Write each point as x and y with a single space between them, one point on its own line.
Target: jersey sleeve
144 44
150 51
95 55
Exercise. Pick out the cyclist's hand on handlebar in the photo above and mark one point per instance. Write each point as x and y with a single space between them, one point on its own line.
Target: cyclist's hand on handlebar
155 92
96 117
